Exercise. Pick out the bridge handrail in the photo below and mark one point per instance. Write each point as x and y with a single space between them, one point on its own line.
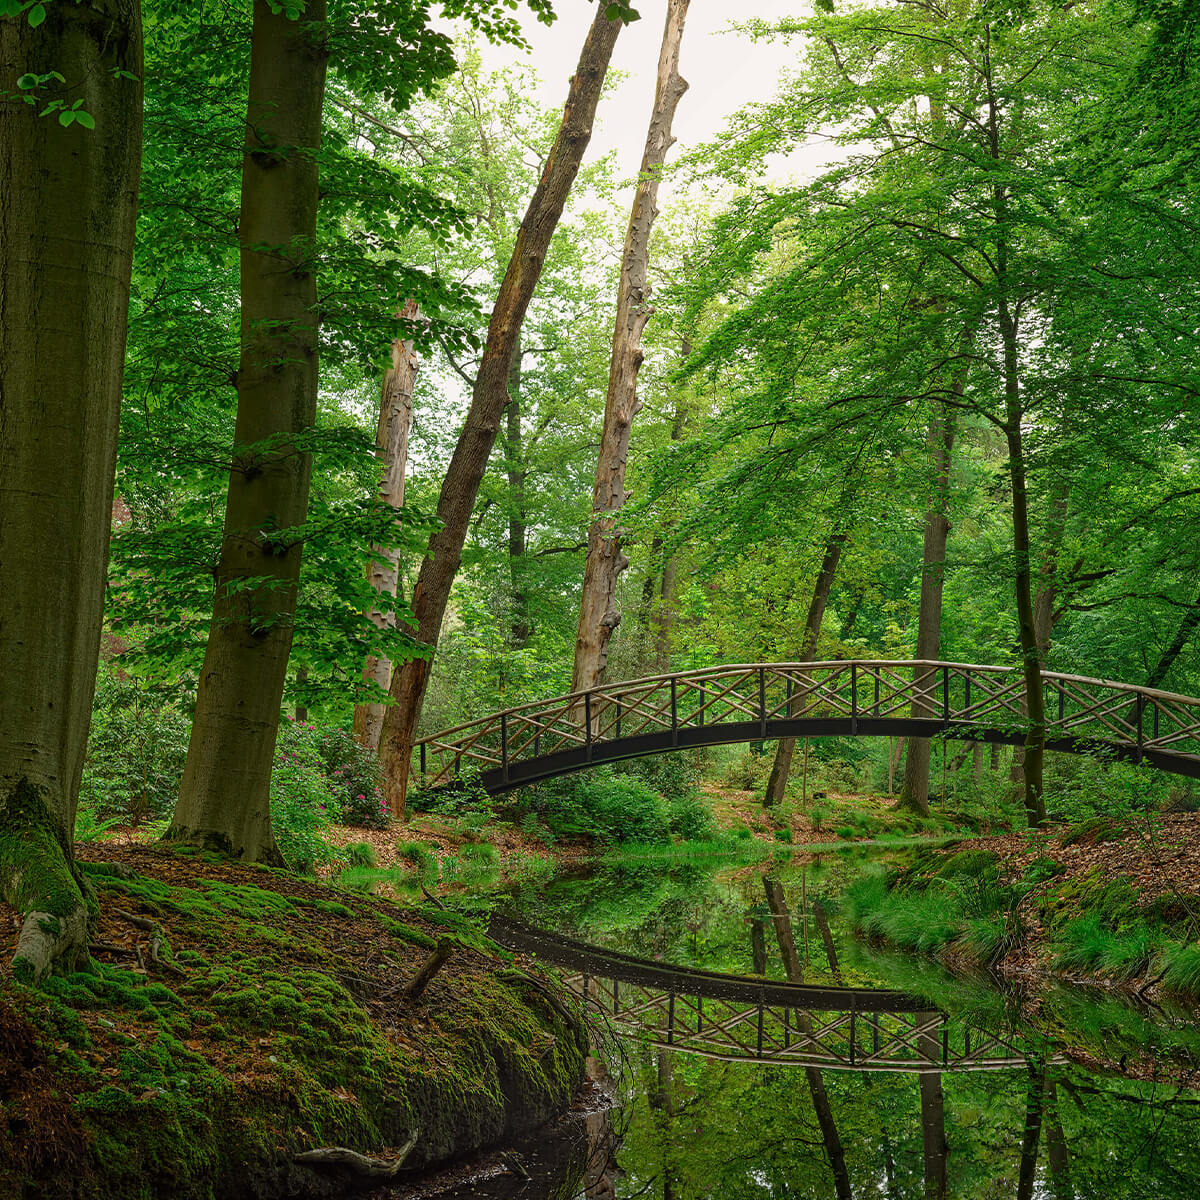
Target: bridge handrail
614 964
566 698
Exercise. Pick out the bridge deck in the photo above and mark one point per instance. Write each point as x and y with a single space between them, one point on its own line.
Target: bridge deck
747 702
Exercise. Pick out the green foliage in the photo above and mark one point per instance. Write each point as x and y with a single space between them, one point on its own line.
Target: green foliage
1090 943
303 805
354 777
360 854
783 835
136 750
690 817
1183 972
423 860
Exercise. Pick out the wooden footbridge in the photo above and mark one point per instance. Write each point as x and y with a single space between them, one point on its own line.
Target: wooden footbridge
746 1019
881 698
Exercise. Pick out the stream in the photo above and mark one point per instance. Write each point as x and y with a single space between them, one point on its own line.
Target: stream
1071 1092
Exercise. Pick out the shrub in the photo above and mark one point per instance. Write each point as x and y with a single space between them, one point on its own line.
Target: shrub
817 817
482 854
361 854
354 778
846 831
302 805
783 835
1088 944
689 818
673 776
747 771
135 754
421 857
620 809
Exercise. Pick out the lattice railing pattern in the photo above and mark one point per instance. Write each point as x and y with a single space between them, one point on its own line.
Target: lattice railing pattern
856 1039
854 696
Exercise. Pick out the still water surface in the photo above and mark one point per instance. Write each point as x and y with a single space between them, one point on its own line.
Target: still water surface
1102 1099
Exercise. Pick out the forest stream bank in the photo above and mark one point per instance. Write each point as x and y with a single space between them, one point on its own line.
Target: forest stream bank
237 1017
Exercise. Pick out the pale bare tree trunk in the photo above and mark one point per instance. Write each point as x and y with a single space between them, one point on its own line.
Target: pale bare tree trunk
68 204
489 397
664 618
383 573
914 791
224 797
598 612
782 766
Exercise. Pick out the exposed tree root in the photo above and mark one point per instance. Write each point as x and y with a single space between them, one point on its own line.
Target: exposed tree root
359 1164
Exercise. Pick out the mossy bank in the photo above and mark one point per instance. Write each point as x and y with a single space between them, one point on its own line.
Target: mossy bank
1114 902
234 1017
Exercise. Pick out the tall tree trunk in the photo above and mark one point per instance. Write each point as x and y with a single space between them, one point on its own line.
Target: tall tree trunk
598 613
1056 1146
521 626
1031 1134
781 767
914 791
933 1120
777 903
68 203
758 944
224 798
664 618
489 397
383 572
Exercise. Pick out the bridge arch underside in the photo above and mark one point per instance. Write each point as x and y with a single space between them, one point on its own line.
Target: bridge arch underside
501 779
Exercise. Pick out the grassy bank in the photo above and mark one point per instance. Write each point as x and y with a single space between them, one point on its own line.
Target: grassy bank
237 1016
1104 901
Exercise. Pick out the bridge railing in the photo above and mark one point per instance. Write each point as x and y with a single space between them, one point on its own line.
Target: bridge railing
868 696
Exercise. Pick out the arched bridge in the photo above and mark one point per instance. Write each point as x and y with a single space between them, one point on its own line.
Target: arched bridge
739 1018
911 698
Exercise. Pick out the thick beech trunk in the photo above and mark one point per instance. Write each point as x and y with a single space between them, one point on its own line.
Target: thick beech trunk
490 395
383 573
914 791
224 798
68 204
598 612
781 767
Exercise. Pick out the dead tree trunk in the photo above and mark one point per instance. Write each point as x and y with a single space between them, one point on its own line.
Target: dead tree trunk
68 204
781 767
914 791
383 573
598 613
224 797
489 397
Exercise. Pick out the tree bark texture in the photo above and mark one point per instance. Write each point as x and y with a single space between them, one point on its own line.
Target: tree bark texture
383 572
68 205
224 798
782 766
520 624
914 791
598 612
489 397
933 1120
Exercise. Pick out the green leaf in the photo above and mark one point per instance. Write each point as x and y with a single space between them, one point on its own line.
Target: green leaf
65 118
28 80
86 120
37 14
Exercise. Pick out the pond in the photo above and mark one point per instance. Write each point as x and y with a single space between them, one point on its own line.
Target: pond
979 1089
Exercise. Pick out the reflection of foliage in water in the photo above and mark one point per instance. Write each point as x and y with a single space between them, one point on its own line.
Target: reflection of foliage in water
711 1129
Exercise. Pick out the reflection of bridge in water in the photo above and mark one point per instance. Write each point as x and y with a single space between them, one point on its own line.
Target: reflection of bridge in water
876 698
744 1019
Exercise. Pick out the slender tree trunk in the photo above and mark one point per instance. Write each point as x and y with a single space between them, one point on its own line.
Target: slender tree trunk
782 920
68 203
1056 1146
933 1121
782 766
598 612
383 572
224 798
758 944
664 618
521 626
914 791
1167 659
1034 1107
469 461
